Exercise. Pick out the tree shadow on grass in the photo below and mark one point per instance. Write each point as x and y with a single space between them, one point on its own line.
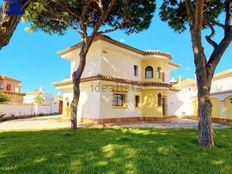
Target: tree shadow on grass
109 151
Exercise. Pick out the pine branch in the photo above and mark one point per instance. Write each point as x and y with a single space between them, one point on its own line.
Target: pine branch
115 28
101 20
209 37
218 24
68 9
220 49
225 42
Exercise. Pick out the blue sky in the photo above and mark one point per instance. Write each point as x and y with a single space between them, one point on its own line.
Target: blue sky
33 59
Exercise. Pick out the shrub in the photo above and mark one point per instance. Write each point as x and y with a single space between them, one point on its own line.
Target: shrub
39 100
3 98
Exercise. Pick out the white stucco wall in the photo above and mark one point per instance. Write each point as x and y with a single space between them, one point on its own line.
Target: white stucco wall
222 84
180 103
89 103
96 102
120 64
107 111
93 63
110 60
27 109
17 110
46 109
28 99
166 69
48 98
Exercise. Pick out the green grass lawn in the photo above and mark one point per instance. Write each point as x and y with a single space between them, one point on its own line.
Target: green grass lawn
109 151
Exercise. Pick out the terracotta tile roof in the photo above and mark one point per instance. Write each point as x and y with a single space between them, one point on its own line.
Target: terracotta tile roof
174 64
218 76
35 92
157 52
122 45
222 75
3 77
185 83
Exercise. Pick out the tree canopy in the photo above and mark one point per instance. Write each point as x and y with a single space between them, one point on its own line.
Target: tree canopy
56 16
174 12
39 100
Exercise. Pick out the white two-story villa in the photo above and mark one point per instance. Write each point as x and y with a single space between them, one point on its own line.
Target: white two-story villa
119 83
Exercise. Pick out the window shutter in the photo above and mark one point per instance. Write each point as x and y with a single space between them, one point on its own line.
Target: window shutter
163 76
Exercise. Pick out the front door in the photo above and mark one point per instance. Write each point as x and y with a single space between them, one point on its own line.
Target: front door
60 107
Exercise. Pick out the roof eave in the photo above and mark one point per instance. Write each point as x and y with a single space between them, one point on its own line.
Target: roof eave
119 44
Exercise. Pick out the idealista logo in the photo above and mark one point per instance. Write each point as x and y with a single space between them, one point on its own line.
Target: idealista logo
14 7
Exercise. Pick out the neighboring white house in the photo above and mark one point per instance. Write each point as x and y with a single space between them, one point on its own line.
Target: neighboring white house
119 83
50 104
184 103
30 96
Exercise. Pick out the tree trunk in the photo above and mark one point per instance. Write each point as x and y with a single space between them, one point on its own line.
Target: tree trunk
75 101
8 23
205 69
205 112
76 76
204 74
204 80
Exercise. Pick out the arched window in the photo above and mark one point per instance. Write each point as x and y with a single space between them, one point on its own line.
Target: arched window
149 72
158 73
159 99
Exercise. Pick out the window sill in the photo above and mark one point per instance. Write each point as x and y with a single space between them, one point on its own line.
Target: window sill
119 107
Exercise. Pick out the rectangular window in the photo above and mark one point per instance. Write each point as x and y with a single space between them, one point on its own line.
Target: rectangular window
8 87
163 77
17 89
118 100
137 101
136 70
158 73
1 86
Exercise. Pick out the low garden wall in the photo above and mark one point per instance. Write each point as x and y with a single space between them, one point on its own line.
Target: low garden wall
26 109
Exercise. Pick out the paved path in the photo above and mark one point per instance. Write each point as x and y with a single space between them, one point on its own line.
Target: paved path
48 122
174 123
55 122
